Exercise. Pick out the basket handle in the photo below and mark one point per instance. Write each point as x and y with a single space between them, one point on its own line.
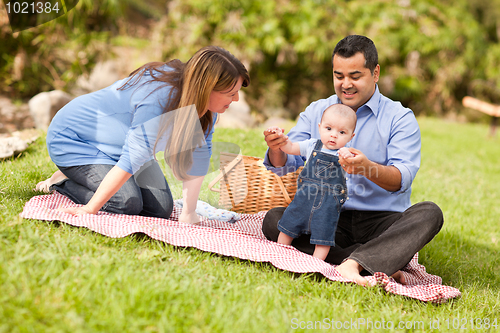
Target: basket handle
283 189
231 165
223 172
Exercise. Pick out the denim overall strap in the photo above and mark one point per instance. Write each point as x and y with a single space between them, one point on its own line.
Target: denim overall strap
323 169
318 145
320 194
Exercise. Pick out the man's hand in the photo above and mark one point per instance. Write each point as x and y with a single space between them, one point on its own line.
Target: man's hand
357 163
275 139
387 177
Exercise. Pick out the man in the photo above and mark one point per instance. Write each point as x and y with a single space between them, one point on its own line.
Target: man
378 230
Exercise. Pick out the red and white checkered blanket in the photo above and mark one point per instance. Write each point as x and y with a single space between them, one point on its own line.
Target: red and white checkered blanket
243 239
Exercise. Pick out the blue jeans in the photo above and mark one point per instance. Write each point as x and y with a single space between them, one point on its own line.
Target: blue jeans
146 193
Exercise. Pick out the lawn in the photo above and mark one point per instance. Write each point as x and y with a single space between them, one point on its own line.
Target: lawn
59 278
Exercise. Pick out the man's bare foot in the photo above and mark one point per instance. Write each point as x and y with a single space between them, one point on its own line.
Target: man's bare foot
44 185
399 277
350 270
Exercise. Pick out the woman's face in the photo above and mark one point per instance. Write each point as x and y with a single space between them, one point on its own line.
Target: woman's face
219 101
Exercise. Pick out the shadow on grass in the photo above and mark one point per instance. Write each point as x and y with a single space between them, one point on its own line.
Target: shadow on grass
14 198
461 262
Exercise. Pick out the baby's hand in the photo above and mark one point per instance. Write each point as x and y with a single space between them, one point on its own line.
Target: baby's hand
274 129
345 153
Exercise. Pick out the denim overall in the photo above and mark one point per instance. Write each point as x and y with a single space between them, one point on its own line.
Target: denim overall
321 192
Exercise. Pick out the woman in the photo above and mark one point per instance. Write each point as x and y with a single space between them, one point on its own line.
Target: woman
104 142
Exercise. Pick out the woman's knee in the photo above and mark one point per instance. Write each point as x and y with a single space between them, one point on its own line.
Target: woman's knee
163 209
127 200
132 205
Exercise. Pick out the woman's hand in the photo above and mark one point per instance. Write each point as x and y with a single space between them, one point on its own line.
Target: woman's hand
190 192
76 211
189 217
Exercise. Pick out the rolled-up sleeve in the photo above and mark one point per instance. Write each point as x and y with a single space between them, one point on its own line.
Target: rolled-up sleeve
292 163
403 150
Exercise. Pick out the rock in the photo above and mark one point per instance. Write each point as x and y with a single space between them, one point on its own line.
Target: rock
275 112
237 115
17 142
14 117
279 122
103 75
11 146
44 106
27 135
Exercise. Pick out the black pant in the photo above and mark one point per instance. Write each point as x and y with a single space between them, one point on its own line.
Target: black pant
378 241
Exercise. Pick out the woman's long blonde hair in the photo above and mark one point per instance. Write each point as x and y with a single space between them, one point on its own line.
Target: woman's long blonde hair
212 68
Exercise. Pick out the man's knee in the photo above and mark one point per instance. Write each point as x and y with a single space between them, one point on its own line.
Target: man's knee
430 213
270 223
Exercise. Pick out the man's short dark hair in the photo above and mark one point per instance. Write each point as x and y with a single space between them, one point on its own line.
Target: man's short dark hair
353 44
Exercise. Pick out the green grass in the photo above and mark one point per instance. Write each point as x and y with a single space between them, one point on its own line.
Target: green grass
59 278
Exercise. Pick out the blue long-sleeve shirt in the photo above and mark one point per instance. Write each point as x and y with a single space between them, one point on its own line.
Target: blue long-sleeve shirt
117 127
386 132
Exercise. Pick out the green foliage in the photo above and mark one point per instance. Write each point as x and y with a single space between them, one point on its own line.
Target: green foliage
50 56
286 44
429 51
53 55
432 53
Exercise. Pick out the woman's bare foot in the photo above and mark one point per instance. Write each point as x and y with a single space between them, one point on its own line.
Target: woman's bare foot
44 185
399 277
350 270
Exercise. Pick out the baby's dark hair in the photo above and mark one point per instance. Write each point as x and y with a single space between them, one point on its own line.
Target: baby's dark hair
343 111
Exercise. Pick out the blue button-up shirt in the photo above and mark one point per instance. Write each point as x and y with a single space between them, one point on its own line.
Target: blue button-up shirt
386 132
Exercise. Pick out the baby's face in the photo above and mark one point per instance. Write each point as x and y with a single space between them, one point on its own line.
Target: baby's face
335 131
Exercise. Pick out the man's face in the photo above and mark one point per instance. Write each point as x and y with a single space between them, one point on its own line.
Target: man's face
354 83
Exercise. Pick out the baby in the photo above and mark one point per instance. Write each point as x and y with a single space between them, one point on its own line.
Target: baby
321 186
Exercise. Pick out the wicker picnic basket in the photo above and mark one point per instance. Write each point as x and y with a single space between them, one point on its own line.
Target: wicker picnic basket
246 186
